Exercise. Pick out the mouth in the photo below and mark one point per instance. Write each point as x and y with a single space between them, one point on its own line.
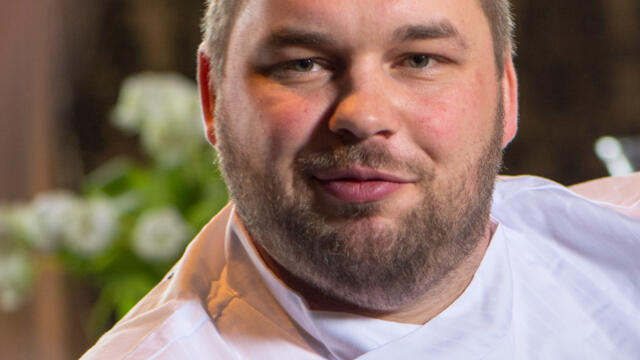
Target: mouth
359 184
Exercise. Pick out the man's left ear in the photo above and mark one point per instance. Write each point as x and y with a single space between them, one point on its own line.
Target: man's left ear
509 85
207 94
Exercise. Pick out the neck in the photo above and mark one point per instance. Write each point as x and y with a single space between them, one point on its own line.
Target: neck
447 291
421 311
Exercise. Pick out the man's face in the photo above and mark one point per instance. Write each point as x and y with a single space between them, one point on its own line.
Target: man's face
360 139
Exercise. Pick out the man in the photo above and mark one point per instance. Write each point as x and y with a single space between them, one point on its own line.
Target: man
360 141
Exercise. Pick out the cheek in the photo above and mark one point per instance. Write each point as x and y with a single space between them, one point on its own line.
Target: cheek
451 121
286 121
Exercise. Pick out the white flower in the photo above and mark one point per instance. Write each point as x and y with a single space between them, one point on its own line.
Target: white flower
15 279
93 227
42 221
160 234
164 109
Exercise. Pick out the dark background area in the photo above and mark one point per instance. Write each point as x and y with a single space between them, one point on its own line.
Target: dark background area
62 63
579 68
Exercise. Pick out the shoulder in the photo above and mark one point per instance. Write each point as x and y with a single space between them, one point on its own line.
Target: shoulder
171 320
568 226
573 255
174 330
621 194
590 239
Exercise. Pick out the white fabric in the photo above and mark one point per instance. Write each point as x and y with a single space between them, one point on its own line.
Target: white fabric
560 280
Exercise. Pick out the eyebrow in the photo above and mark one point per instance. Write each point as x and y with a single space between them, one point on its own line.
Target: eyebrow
437 30
294 37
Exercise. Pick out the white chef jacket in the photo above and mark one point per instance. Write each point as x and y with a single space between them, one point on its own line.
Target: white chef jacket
560 280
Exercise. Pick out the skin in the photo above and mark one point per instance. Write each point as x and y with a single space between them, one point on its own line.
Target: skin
366 85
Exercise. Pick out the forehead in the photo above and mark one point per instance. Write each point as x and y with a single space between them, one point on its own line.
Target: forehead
362 20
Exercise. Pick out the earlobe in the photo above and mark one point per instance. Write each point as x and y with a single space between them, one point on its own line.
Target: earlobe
207 94
510 101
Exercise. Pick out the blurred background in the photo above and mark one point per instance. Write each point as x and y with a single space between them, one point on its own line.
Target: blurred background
90 95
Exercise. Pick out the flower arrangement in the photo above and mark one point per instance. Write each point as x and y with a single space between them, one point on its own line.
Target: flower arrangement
129 222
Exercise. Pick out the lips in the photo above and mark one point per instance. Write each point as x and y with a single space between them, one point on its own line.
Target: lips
359 185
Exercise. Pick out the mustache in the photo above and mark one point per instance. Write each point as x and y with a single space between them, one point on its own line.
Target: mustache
367 155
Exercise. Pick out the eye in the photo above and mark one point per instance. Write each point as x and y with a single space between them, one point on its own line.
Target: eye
300 66
418 61
303 65
302 70
297 67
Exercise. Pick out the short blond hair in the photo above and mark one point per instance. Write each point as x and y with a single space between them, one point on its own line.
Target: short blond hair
216 30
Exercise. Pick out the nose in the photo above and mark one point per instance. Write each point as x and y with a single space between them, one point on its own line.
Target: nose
365 111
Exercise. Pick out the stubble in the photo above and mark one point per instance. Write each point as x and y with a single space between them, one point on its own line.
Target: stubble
342 253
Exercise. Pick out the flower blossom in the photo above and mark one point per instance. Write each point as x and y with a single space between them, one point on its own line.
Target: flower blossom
160 234
93 227
42 221
164 110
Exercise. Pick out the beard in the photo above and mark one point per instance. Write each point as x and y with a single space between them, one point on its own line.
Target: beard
341 251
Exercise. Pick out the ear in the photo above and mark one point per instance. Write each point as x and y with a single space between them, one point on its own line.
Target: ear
509 85
207 94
